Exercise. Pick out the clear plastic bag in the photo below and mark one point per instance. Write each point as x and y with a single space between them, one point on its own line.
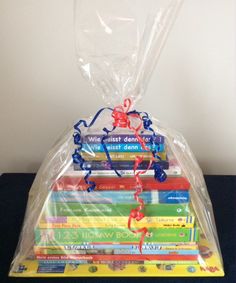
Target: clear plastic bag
119 194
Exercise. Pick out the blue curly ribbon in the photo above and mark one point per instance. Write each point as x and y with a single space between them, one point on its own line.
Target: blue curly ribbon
76 156
159 173
106 151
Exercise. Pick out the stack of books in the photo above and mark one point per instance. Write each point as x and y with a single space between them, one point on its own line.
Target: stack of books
77 227
123 150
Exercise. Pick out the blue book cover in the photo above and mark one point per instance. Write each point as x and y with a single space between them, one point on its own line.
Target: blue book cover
122 138
119 197
120 147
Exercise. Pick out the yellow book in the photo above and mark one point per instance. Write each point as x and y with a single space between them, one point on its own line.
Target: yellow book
121 156
208 265
113 225
116 221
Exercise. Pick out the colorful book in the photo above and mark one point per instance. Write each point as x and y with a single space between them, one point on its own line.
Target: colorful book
119 165
121 156
119 197
127 246
112 225
172 171
77 209
53 264
122 139
113 251
68 183
116 257
49 237
118 219
121 147
115 222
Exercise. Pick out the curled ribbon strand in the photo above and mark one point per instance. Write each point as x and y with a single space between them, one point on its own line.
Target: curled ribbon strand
122 117
159 173
106 151
136 213
76 156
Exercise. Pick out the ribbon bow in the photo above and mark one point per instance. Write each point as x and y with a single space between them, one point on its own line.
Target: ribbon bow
122 119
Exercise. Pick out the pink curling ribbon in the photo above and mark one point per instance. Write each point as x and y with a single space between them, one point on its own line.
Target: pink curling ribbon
122 117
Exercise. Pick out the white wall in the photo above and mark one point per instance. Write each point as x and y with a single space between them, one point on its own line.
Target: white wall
42 91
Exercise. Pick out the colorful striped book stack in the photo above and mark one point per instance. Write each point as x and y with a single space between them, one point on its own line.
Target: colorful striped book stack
78 227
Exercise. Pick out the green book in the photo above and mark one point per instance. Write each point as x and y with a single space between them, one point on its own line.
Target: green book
76 209
57 237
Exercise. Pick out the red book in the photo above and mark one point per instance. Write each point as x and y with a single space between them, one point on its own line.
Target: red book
116 257
111 184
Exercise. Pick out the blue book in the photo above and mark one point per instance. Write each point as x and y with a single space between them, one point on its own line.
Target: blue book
122 138
119 197
120 147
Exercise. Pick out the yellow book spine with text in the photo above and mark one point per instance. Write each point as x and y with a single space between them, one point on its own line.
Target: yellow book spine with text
113 222
120 156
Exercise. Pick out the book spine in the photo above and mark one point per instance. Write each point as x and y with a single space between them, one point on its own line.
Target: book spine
113 225
45 251
121 147
119 197
102 222
116 257
119 165
119 219
76 236
134 246
68 183
77 209
120 156
173 171
122 139
125 262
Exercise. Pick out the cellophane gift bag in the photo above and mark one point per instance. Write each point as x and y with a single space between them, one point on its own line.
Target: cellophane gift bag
119 194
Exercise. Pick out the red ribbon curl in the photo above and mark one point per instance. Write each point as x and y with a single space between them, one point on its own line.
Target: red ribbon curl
122 117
